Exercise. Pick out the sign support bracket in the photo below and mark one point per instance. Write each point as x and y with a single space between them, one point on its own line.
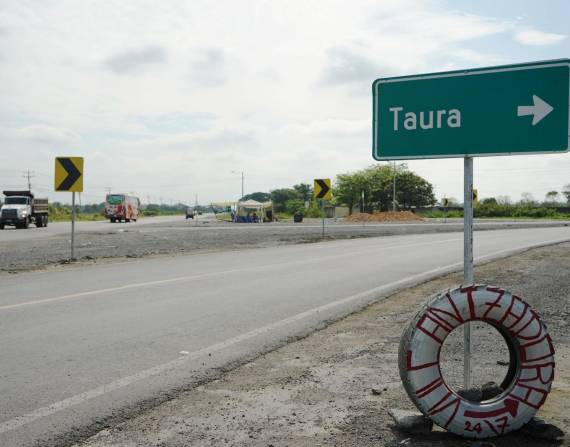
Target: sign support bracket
468 276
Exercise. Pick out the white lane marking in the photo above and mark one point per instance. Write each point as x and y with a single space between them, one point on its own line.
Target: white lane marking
365 297
159 369
211 274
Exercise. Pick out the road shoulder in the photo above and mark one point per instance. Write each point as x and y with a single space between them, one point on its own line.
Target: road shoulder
335 387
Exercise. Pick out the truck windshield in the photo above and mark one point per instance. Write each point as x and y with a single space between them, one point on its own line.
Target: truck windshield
115 199
16 201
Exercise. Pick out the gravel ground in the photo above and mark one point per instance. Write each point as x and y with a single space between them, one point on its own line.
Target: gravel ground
335 387
190 237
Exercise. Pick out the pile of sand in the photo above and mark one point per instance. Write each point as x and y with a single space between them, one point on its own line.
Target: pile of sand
383 217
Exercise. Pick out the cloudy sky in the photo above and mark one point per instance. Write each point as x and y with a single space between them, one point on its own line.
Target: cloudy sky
166 98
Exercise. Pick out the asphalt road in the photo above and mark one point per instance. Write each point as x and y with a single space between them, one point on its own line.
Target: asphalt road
88 344
57 228
207 222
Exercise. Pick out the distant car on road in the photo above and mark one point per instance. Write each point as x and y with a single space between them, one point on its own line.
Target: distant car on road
190 213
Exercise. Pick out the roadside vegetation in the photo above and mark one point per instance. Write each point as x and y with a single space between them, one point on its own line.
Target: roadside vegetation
367 190
491 208
372 189
556 205
59 212
288 201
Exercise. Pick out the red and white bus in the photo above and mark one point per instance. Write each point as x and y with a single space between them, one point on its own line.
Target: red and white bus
120 207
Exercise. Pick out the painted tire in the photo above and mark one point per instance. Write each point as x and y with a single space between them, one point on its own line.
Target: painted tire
531 365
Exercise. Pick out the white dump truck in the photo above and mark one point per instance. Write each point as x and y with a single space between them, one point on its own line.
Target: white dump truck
21 208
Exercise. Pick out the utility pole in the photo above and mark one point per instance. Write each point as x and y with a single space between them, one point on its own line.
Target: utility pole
28 175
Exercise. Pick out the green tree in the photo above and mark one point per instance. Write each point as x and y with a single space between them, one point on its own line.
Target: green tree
258 196
348 189
373 188
295 205
552 196
413 190
527 199
281 196
566 193
305 191
489 201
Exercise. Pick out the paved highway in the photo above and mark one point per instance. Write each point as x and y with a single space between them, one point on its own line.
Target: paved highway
88 343
209 223
57 228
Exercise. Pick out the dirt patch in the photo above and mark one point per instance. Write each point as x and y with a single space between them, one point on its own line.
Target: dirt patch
336 386
402 216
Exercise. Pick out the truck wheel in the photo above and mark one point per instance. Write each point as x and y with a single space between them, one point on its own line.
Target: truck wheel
113 220
46 220
26 224
1 226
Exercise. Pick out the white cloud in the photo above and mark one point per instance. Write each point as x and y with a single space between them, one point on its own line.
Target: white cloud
40 134
209 67
345 66
134 60
329 128
190 91
537 37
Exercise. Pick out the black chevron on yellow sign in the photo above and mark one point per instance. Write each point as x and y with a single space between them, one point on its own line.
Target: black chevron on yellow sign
322 189
69 174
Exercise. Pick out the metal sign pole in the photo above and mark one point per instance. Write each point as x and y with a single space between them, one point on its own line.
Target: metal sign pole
322 206
394 190
72 226
468 277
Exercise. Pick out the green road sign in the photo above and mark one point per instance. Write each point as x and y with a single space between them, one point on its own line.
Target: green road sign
514 109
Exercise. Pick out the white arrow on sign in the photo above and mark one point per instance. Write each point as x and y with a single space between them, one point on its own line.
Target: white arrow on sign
539 110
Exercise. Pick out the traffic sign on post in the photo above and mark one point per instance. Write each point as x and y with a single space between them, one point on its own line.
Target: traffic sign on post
505 110
69 177
69 174
322 189
513 109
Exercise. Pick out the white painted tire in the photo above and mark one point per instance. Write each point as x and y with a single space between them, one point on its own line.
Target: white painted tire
531 366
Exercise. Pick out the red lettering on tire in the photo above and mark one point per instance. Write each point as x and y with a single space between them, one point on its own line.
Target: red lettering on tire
532 361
